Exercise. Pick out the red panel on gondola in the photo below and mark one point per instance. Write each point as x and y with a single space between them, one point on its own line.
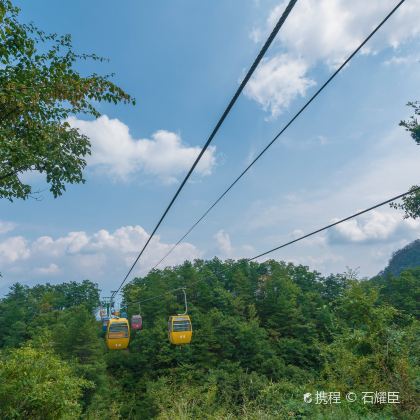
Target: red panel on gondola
136 322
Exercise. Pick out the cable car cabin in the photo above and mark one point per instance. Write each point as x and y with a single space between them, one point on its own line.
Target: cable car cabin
118 334
105 324
179 329
136 322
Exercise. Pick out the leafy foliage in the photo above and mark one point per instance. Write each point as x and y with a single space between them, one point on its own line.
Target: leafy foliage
411 203
36 384
39 89
402 292
264 334
412 125
24 308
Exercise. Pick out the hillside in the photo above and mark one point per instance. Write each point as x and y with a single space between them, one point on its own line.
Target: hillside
404 258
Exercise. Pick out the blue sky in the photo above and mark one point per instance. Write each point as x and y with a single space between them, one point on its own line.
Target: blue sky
183 61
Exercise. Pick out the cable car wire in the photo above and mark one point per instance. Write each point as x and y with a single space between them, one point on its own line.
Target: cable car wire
154 297
314 232
280 132
335 223
215 130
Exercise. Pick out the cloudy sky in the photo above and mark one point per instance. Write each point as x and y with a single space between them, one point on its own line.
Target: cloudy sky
183 61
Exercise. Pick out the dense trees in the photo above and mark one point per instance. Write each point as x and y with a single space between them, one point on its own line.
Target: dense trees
264 334
404 258
40 88
36 384
402 292
25 309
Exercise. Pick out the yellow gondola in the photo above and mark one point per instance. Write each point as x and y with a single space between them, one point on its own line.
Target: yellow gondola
179 326
118 334
179 329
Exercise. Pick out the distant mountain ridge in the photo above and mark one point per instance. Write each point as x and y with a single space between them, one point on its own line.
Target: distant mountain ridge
403 259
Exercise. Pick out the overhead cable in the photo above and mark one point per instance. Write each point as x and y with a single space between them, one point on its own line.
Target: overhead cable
215 130
280 133
301 238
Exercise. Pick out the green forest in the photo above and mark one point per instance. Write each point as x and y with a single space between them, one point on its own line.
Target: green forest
264 334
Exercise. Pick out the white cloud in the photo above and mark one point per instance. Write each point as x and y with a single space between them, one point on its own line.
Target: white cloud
319 239
225 249
103 256
13 249
255 35
403 60
47 271
6 226
376 226
320 263
277 82
224 243
117 153
326 32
